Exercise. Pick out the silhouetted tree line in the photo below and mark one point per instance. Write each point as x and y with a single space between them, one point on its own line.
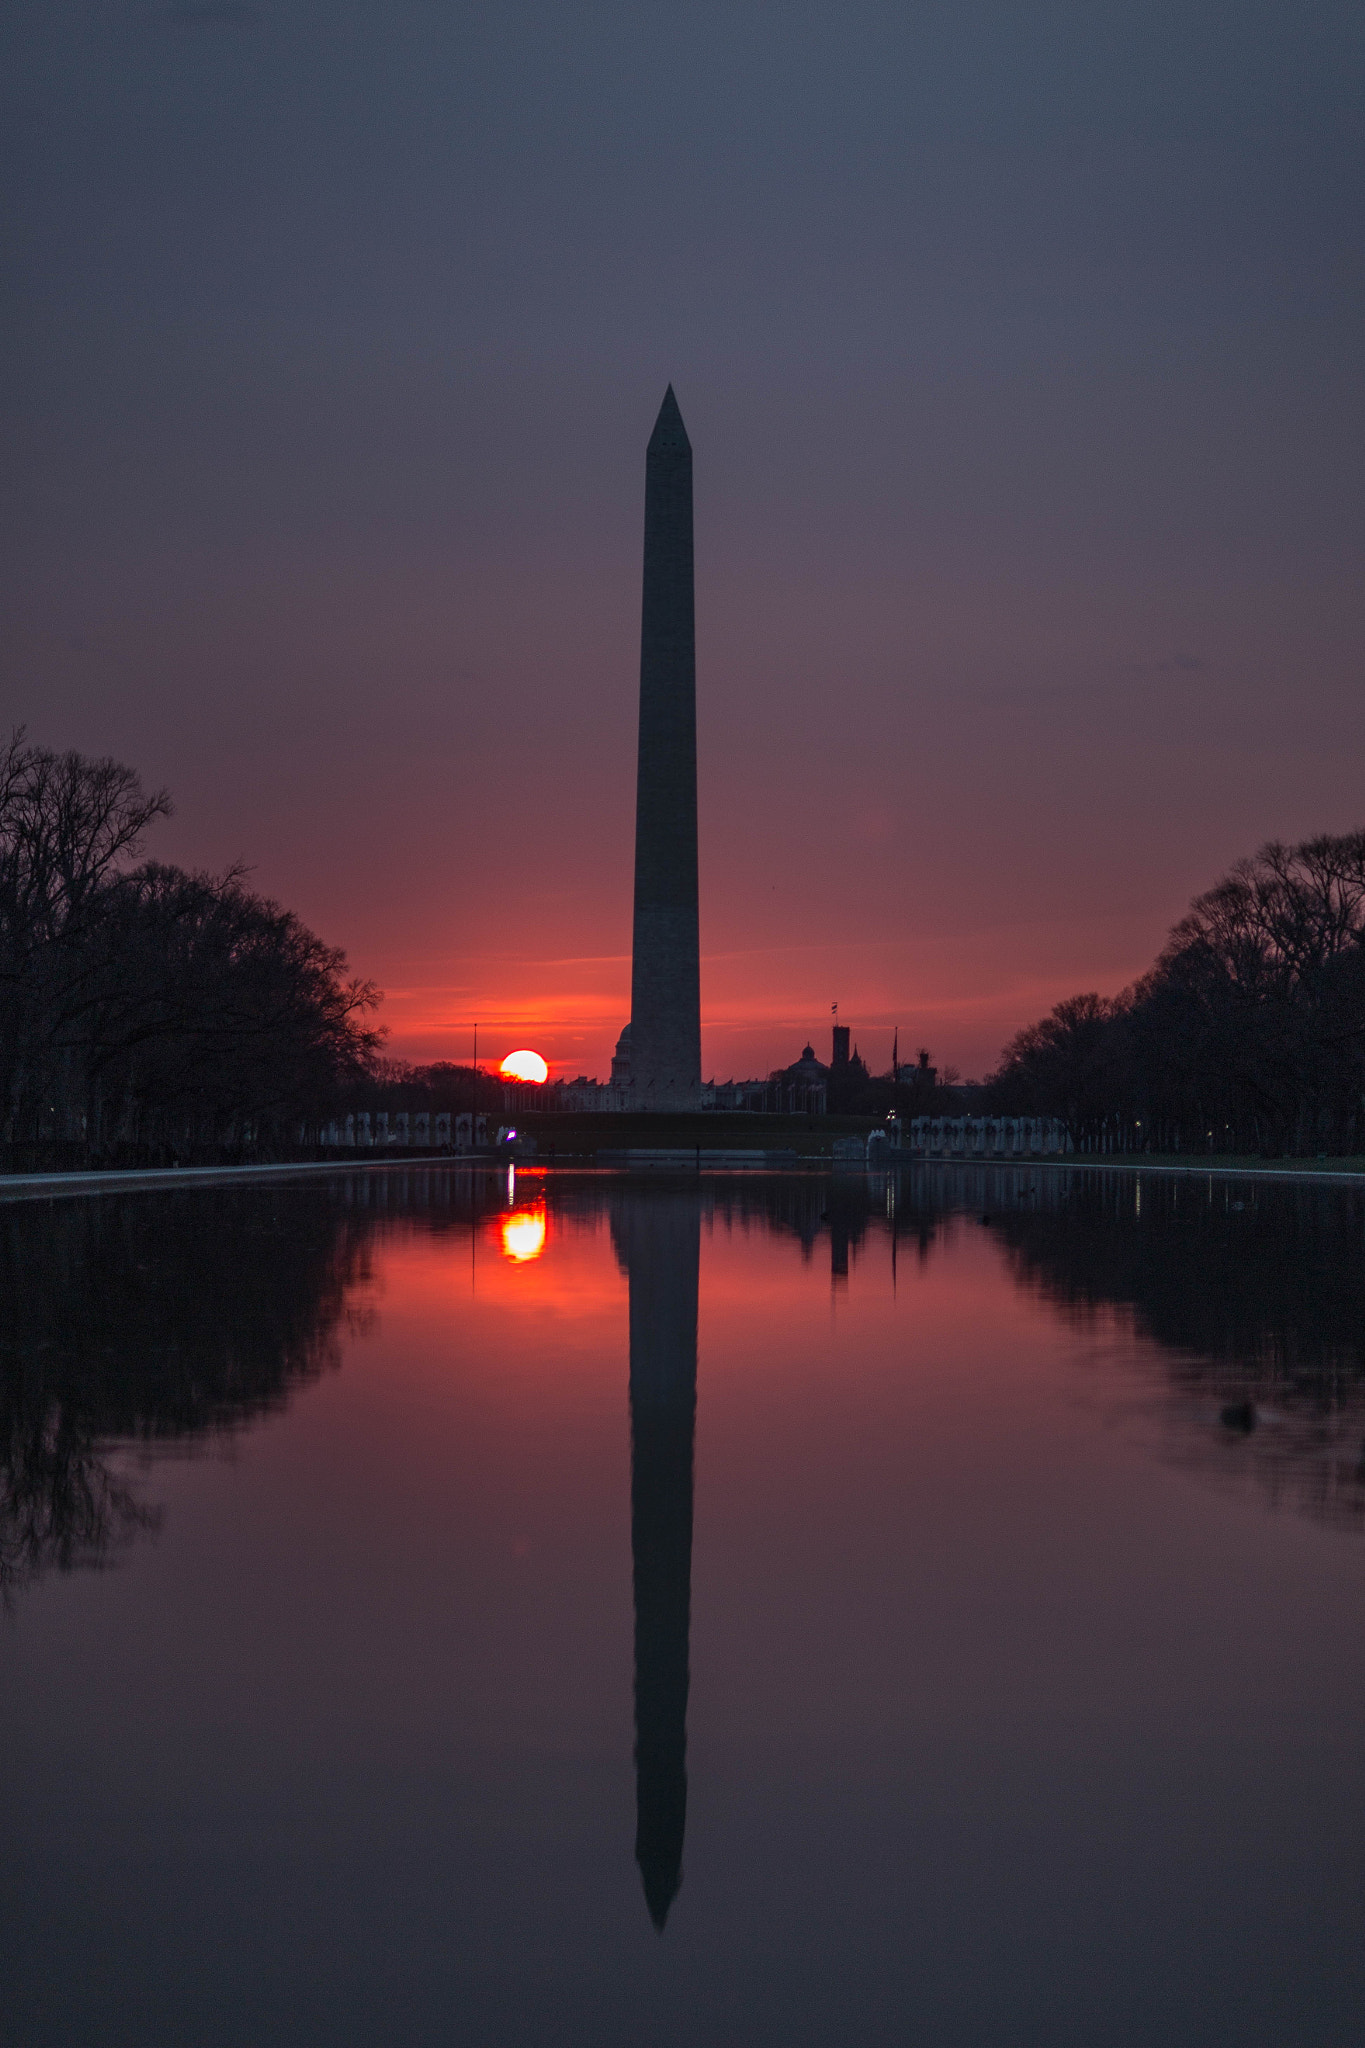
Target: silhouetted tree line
438 1087
148 1013
1248 1035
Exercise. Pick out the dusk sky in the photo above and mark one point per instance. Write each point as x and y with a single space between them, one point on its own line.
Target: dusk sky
1020 350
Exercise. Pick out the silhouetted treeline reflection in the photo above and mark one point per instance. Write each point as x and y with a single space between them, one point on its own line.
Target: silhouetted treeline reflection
1256 1293
1252 1290
150 1320
146 1320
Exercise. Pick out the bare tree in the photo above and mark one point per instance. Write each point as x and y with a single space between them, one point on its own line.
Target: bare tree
67 826
1249 1031
143 1008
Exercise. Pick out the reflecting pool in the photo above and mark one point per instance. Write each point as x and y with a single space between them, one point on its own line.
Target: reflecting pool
448 1606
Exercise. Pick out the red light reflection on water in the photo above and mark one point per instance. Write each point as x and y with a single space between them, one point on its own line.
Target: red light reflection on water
522 1234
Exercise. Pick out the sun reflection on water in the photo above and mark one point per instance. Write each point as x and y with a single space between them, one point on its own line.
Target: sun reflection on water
523 1234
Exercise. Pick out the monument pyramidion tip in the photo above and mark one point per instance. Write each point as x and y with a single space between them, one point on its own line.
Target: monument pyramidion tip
669 431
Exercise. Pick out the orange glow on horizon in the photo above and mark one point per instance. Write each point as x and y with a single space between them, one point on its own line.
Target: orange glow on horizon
523 1234
524 1066
974 987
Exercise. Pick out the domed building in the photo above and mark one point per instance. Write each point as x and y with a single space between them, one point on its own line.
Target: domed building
620 1063
802 1086
807 1068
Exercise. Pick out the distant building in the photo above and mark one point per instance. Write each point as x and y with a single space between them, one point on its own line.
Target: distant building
807 1068
847 1072
915 1082
620 1065
734 1094
801 1088
583 1093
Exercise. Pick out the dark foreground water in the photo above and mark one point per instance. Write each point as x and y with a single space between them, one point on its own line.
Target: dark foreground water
760 1610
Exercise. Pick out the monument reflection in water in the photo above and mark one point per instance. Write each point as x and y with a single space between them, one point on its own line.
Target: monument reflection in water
659 1240
1028 1574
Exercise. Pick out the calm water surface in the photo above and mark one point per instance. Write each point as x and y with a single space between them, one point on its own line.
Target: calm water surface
759 1610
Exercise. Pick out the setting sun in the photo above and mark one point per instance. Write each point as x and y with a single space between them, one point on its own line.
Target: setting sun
523 1066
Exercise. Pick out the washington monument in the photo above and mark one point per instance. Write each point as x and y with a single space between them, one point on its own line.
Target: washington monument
665 979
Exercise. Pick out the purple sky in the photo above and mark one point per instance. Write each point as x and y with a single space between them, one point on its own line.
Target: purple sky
1019 346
